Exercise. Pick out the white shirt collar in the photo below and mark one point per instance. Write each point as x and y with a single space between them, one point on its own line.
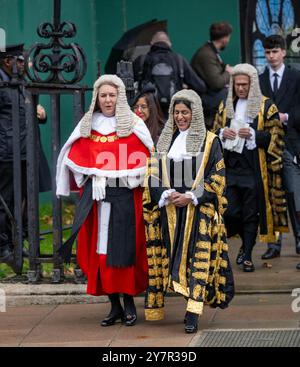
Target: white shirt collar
280 71
183 132
241 111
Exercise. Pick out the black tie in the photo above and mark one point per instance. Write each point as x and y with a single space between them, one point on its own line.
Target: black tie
275 84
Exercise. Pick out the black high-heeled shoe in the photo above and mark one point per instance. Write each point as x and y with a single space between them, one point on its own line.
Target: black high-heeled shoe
191 323
130 316
116 311
190 329
111 319
240 256
248 266
130 320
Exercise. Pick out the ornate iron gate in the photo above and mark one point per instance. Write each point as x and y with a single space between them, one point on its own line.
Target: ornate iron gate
55 69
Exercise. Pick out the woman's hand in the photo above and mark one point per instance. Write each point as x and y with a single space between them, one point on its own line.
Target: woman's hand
180 200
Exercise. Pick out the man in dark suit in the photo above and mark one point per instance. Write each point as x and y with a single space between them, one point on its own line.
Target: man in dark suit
282 85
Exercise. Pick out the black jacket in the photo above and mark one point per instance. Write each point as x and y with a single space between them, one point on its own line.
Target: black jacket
287 101
6 128
6 132
190 78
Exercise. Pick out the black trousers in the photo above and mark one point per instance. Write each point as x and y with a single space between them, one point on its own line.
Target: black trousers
7 192
241 216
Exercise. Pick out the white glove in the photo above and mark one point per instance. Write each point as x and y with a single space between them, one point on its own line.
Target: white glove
99 184
164 198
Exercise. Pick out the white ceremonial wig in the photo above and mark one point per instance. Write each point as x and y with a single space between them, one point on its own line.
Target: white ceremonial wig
197 131
254 96
123 114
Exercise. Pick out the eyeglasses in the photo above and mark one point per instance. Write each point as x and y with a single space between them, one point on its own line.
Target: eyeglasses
142 107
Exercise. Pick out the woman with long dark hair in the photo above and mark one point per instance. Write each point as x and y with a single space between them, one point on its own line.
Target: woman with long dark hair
146 106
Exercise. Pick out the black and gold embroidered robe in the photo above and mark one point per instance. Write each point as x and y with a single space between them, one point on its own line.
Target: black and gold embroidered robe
268 168
186 247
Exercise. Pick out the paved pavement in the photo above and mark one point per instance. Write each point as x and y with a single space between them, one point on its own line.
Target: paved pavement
63 315
78 324
276 275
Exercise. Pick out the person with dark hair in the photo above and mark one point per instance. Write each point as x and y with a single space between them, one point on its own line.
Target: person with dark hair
274 41
183 210
210 67
282 85
146 106
13 55
218 31
207 61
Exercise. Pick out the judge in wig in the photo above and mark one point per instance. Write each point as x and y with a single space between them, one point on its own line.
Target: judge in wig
183 210
106 156
255 194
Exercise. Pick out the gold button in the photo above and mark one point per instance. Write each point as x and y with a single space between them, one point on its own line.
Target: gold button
103 139
111 139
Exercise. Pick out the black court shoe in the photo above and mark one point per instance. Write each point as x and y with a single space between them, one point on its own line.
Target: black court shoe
240 256
111 319
271 253
130 320
191 323
130 316
190 329
248 266
297 245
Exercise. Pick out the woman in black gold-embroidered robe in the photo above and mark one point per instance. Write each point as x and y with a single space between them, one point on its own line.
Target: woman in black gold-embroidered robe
183 211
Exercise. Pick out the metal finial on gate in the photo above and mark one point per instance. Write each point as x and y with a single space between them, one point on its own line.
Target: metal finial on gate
56 61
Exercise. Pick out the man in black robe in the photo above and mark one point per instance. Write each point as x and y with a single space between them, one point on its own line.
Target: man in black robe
249 127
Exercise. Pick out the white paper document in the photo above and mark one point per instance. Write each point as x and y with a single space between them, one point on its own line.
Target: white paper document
237 144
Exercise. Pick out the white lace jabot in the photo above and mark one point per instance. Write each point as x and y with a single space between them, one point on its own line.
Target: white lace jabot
102 124
178 148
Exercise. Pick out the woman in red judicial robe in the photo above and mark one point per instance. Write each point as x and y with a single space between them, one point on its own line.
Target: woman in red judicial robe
106 154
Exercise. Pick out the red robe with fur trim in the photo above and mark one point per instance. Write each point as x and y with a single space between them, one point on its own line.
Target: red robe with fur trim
114 156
